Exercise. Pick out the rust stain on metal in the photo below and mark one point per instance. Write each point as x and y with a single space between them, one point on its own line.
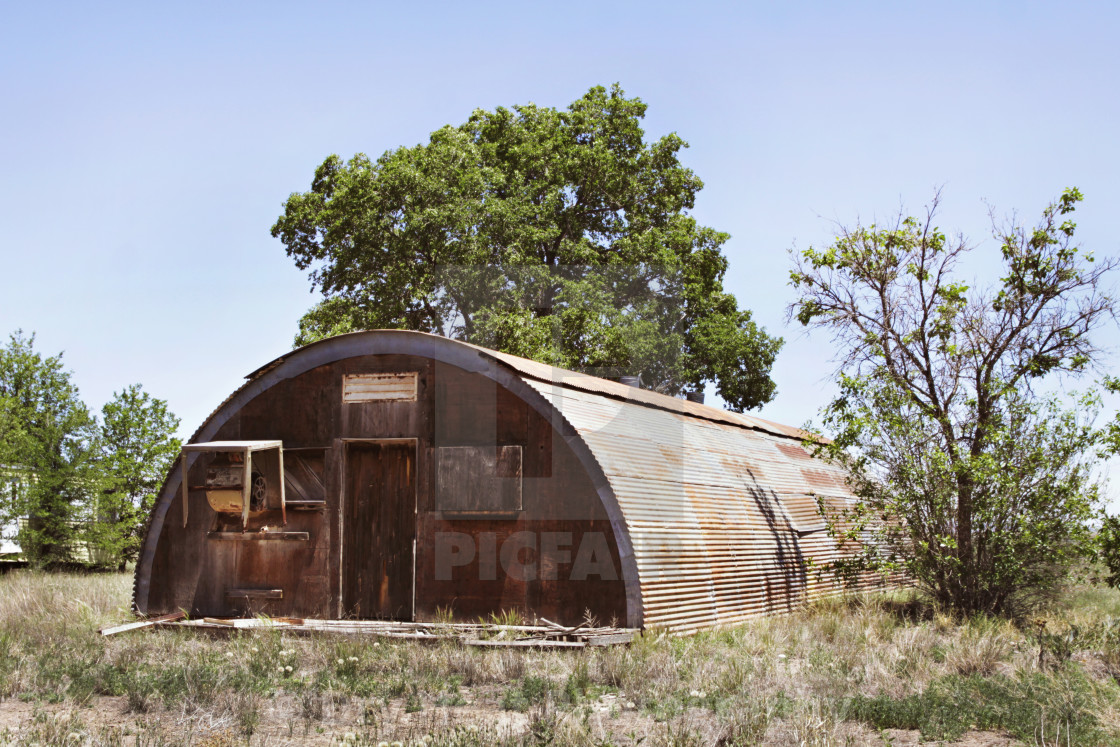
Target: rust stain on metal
720 515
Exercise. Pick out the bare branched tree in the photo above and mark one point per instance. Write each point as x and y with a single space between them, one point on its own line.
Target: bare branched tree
958 363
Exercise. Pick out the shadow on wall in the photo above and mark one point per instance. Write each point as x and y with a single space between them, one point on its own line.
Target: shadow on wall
793 580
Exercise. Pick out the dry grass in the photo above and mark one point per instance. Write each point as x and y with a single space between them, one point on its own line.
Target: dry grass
856 671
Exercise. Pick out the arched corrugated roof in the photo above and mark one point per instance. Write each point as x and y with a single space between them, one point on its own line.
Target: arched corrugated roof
711 510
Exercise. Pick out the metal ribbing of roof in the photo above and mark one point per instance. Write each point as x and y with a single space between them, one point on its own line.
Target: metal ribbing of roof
544 372
705 504
574 380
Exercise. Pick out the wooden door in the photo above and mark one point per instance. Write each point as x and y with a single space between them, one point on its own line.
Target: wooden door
379 526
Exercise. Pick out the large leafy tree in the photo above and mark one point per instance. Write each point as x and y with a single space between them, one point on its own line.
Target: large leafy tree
136 446
45 436
557 235
983 485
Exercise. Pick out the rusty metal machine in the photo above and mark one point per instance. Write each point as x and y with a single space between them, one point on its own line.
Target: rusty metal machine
224 479
231 484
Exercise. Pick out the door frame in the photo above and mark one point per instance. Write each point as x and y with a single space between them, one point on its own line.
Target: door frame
343 498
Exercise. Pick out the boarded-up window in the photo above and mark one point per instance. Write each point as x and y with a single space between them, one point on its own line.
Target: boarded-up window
379 387
478 479
303 478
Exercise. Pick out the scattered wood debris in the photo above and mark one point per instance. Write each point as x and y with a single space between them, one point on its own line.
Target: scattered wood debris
549 635
147 623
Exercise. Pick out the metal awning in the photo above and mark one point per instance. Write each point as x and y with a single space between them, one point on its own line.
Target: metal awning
244 447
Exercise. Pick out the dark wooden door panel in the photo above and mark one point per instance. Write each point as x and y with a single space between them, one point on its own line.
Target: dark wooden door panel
379 526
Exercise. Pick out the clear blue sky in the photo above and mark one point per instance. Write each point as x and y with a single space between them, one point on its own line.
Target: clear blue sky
145 150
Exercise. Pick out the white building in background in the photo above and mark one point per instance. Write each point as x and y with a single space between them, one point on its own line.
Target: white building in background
8 546
11 481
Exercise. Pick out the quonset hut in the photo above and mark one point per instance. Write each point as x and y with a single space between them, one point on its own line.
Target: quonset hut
399 475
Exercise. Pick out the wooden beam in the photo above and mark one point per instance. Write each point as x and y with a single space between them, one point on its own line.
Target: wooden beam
256 593
283 499
114 629
607 639
186 490
259 536
531 643
246 488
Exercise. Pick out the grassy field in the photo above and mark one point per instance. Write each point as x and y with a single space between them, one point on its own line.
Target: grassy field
875 670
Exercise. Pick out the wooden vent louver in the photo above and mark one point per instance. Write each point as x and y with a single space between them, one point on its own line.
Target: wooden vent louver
379 387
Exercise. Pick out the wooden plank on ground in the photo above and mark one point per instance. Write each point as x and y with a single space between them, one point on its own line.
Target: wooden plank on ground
531 643
114 629
467 633
242 622
608 639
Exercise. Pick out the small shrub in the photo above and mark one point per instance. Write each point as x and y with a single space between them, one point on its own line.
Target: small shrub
464 736
681 733
530 692
1056 649
544 725
140 691
745 723
451 698
412 703
578 683
61 730
983 643
509 665
311 705
506 617
812 724
1108 548
247 709
1109 642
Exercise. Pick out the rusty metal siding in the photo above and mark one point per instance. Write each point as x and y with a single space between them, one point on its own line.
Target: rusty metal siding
720 516
617 390
804 513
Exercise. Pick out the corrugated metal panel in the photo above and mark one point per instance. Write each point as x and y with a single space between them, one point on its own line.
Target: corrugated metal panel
379 387
720 515
545 373
804 513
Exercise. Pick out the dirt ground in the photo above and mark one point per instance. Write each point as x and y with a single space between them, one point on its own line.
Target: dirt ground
108 720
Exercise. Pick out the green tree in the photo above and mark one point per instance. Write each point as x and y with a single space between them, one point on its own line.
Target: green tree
136 446
556 235
1111 433
983 485
1108 548
45 436
1108 534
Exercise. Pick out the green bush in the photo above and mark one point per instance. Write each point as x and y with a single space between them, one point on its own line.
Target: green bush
530 692
1108 548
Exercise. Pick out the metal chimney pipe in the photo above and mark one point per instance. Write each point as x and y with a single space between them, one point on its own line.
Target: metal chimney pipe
631 381
697 397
